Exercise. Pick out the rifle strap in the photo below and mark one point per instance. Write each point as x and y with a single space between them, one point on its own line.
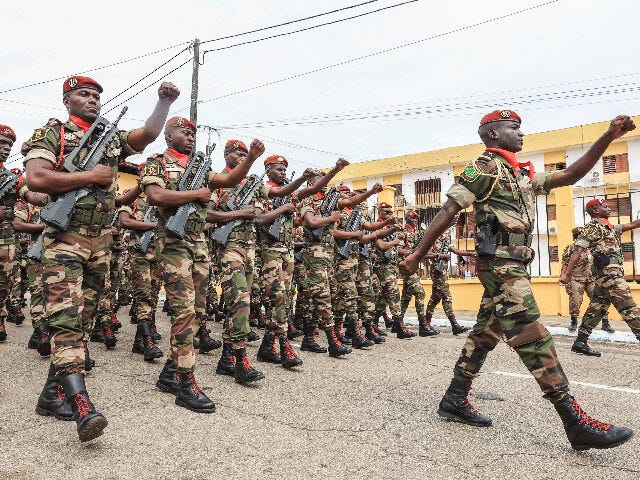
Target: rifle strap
62 142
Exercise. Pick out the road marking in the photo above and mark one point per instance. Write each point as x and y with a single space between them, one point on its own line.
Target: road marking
575 382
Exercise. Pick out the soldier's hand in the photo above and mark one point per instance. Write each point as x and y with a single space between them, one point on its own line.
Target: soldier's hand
250 213
168 92
621 125
101 175
409 265
563 280
377 188
114 231
310 173
358 234
335 216
341 163
204 194
289 208
256 149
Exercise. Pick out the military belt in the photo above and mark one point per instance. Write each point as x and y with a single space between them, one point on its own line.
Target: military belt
82 217
513 239
7 232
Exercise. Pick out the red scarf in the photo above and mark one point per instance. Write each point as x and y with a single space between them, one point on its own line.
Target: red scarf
411 227
83 125
320 195
606 222
513 161
182 159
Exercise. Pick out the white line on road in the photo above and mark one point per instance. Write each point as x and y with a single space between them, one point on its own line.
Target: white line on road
574 382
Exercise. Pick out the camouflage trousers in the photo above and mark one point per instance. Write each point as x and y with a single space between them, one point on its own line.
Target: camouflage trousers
236 264
185 269
107 301
318 262
303 310
75 265
214 280
122 275
36 303
7 262
611 288
412 287
366 296
277 275
257 289
508 310
145 283
389 293
440 291
345 301
20 282
576 289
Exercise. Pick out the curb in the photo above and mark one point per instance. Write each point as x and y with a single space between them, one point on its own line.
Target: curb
596 335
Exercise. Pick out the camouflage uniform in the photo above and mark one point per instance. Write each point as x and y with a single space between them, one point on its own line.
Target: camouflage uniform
364 286
184 262
303 301
214 276
20 279
236 263
440 286
345 300
386 269
581 280
508 308
411 285
76 261
257 288
603 240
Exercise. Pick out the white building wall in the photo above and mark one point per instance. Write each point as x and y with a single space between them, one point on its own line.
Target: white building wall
445 173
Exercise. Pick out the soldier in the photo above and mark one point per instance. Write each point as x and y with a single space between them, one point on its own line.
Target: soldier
385 265
580 281
185 261
14 189
75 261
603 240
411 284
502 191
440 286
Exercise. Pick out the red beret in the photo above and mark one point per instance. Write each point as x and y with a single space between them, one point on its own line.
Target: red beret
181 122
76 82
236 145
500 116
275 159
8 132
412 213
383 205
595 202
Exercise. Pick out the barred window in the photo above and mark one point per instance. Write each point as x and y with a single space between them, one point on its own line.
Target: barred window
551 212
627 251
553 254
620 206
428 191
615 163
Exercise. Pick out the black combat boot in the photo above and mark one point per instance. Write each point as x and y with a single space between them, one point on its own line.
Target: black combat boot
455 406
3 331
585 432
606 326
424 326
309 343
90 423
401 329
580 346
15 315
167 381
358 340
154 331
97 333
144 344
387 320
292 331
34 339
336 348
133 316
191 396
227 362
44 343
52 399
252 336
376 328
205 342
372 335
289 357
110 338
456 328
115 322
267 351
574 324
88 362
337 327
245 373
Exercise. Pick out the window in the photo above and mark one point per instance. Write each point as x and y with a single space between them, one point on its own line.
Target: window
553 253
620 206
398 198
552 167
428 192
627 251
551 212
465 227
615 163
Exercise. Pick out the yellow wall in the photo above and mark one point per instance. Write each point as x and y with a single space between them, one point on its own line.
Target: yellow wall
126 181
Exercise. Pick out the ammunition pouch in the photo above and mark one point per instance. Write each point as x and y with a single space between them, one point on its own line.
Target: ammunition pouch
82 217
487 236
601 260
194 227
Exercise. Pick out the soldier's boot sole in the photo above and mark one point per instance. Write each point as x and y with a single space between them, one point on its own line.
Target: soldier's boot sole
585 350
110 342
44 349
428 333
151 355
92 428
452 417
250 379
457 330
48 413
3 335
182 403
166 388
602 447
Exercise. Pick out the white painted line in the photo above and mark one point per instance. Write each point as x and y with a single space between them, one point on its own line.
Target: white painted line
575 382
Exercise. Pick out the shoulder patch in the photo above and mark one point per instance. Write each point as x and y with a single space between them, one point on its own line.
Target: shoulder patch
39 134
470 173
152 169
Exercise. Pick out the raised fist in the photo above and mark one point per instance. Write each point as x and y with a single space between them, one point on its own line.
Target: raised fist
377 188
256 149
341 163
168 91
310 173
621 125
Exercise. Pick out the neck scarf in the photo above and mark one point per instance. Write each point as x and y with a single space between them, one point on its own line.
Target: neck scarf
513 161
84 125
183 159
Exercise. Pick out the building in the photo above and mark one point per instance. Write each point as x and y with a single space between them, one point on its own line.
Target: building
420 181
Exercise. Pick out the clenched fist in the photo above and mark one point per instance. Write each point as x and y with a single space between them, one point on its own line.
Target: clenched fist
168 92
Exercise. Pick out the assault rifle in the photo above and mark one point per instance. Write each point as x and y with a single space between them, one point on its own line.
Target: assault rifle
441 266
274 228
35 252
10 181
240 199
328 205
193 178
147 236
389 251
354 224
58 213
364 250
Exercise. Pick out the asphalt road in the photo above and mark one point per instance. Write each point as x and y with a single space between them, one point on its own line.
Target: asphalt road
371 415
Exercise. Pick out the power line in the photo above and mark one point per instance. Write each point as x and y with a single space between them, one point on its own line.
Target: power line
308 28
380 52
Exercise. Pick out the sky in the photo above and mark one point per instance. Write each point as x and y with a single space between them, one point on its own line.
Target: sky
558 64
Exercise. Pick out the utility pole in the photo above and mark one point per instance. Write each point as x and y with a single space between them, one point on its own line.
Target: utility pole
193 113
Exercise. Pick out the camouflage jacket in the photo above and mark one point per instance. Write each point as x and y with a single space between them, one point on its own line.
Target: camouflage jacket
491 186
18 191
285 238
137 210
437 248
410 237
311 205
30 214
582 270
602 239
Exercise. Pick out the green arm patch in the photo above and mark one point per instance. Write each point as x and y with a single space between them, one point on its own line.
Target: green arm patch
470 174
39 134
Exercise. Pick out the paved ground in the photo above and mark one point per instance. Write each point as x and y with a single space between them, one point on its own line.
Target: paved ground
369 415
